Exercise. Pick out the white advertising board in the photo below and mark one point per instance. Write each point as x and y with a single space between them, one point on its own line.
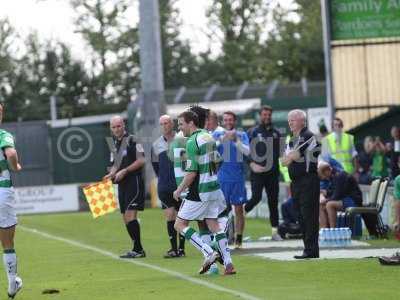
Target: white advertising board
317 115
45 199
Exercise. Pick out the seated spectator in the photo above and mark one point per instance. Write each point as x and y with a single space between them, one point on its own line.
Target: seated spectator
324 184
379 163
342 192
365 161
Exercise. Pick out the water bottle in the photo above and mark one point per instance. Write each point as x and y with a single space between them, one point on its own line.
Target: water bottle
325 234
330 241
335 237
342 237
348 236
338 237
322 237
345 237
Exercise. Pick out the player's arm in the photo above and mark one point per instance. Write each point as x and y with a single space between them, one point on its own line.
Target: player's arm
192 168
242 144
187 181
12 158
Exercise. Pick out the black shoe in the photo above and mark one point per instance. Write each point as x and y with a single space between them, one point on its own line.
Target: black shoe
306 256
390 260
134 254
181 253
171 254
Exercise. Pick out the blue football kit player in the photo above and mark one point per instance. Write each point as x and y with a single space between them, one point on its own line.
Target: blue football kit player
233 145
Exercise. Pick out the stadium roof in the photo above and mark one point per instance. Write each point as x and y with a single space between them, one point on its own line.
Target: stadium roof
238 106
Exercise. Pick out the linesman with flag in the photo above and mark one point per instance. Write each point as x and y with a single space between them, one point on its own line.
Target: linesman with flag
127 157
301 157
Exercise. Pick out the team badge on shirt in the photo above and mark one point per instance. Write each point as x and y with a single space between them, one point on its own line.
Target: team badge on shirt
9 139
188 163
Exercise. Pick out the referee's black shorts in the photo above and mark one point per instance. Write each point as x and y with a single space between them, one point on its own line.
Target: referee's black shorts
131 194
167 200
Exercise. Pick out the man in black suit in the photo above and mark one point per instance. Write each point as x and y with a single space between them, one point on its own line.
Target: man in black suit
301 157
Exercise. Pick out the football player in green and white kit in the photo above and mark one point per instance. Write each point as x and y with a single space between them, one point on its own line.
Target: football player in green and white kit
8 218
203 199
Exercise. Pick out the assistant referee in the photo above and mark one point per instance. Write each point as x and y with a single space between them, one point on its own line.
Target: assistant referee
301 157
127 173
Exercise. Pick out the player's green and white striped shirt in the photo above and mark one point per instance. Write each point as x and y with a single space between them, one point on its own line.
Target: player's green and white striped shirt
177 152
202 158
6 140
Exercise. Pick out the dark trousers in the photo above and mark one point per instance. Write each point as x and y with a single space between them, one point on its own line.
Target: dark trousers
271 184
305 191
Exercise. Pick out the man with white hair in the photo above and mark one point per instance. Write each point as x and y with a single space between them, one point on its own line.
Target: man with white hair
301 157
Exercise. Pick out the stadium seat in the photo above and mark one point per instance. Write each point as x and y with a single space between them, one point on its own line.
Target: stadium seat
373 208
342 218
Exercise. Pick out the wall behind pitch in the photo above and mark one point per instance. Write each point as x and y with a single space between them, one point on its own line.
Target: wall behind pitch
366 75
79 153
32 144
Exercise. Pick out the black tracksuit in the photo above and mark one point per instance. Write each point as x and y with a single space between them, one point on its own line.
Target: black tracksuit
265 151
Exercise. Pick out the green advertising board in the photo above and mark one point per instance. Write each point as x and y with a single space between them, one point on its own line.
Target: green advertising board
359 19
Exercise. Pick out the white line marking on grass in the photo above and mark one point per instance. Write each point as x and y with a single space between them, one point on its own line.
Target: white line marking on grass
331 254
142 264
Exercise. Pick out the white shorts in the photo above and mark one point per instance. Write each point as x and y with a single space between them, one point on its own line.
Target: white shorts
223 223
8 216
196 210
221 205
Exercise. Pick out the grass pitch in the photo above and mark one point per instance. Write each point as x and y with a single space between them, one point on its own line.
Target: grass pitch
78 258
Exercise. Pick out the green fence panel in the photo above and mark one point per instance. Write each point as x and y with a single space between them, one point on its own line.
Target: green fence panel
79 153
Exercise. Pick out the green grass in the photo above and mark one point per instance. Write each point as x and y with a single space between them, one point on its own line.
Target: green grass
82 274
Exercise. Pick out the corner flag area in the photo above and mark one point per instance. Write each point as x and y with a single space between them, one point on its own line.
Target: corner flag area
73 256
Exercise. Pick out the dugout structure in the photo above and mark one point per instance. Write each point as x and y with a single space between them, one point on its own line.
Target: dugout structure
363 39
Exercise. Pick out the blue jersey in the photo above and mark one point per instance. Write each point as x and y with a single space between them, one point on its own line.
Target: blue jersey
232 167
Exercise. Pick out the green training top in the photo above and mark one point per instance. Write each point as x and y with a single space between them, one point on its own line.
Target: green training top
6 141
396 191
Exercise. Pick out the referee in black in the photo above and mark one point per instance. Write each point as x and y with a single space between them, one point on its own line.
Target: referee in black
301 157
128 161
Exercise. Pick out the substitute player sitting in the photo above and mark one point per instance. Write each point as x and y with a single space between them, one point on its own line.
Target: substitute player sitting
201 202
